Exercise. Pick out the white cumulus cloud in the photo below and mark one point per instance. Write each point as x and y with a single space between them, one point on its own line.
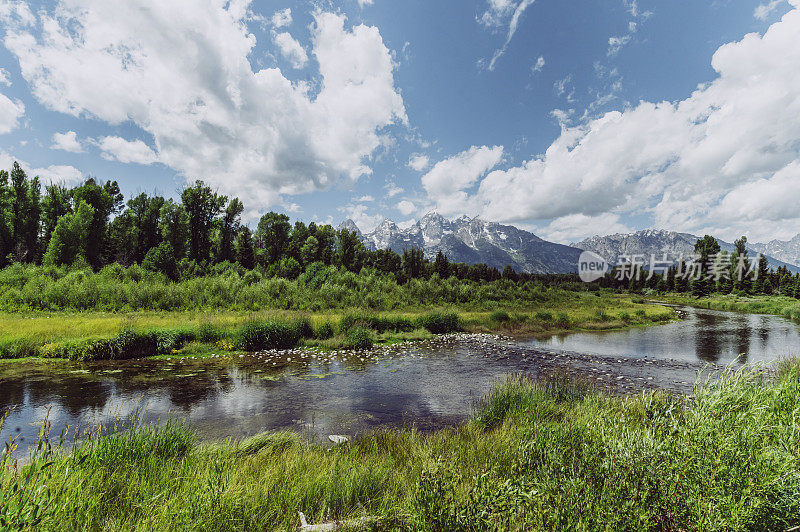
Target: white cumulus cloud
67 142
406 207
418 162
447 182
193 90
290 49
693 165
10 113
282 17
126 151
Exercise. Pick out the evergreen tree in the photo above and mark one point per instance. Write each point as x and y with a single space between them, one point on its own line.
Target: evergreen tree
349 250
413 263
706 249
740 266
762 275
442 266
508 272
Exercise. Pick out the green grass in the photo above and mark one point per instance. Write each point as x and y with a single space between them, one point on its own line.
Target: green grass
549 455
788 307
58 334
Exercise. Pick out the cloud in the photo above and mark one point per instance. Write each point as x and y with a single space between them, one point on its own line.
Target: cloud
691 165
763 11
498 14
359 213
10 113
615 44
365 198
563 87
392 190
446 183
290 49
68 175
126 151
67 142
418 162
281 18
406 207
576 227
5 79
538 66
363 3
250 133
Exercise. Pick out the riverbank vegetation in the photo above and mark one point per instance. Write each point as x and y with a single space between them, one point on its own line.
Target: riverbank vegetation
117 335
536 455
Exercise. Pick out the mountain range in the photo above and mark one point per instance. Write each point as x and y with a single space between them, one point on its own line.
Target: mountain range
473 240
658 242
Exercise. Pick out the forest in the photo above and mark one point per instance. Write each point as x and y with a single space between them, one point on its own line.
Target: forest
92 225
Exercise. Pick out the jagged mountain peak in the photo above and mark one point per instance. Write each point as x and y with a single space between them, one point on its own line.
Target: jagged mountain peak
472 240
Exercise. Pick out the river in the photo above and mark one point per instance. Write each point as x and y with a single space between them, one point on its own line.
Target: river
427 384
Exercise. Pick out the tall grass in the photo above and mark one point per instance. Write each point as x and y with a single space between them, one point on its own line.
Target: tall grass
544 455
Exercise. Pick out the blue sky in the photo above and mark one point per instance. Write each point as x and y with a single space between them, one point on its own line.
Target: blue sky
544 114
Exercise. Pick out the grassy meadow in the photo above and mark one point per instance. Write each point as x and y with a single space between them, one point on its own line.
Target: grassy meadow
56 334
546 455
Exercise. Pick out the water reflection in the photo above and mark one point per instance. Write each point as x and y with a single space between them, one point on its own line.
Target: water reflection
704 335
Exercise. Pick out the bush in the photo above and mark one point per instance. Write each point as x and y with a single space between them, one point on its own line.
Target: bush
543 316
358 338
257 336
324 331
302 328
499 316
440 322
208 334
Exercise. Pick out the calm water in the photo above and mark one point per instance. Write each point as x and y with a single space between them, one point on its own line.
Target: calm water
427 385
702 336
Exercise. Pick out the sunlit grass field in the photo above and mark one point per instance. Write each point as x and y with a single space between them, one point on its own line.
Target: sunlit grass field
567 311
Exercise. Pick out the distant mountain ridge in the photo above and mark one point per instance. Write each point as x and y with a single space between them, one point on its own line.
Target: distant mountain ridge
785 250
472 240
659 242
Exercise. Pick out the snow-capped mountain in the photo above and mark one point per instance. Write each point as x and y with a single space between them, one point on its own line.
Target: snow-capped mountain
658 242
785 250
472 240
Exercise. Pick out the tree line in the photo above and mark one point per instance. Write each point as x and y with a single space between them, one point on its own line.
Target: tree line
713 271
91 224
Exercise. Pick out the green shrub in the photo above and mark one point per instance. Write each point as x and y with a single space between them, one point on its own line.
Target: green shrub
543 316
440 322
208 334
358 338
257 336
324 331
303 329
499 316
624 316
